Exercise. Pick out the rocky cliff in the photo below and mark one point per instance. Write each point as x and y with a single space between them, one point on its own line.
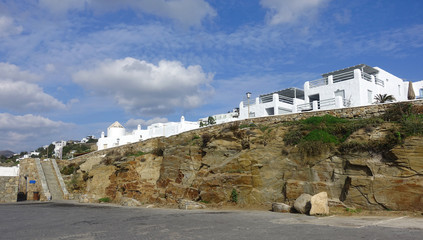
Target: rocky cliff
259 162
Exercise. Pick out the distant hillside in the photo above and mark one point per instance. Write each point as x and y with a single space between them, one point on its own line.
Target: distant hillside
6 153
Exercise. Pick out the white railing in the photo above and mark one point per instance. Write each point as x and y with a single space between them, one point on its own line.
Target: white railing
286 99
266 99
318 82
326 103
379 82
347 103
343 76
305 107
366 76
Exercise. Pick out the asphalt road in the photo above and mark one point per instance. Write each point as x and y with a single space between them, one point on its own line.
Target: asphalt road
52 220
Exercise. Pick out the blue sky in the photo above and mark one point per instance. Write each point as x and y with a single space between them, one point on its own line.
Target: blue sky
70 68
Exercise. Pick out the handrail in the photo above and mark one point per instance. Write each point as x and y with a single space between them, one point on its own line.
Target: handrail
343 76
379 82
305 107
266 99
318 82
366 76
286 99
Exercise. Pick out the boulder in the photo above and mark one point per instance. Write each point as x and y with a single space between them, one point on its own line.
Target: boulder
189 205
280 207
319 204
302 203
130 202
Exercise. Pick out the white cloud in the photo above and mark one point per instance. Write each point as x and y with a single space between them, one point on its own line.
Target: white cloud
20 132
185 12
22 96
8 27
12 72
17 93
144 88
133 123
288 11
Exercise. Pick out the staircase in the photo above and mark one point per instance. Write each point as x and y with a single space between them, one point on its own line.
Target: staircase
52 182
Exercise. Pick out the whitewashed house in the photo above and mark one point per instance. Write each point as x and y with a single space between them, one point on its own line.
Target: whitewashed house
277 103
117 135
58 148
222 118
349 87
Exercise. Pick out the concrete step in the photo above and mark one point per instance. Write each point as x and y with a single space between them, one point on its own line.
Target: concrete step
52 182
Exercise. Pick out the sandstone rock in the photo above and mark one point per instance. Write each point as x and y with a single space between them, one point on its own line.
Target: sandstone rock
280 207
409 156
130 202
86 198
319 204
189 205
302 203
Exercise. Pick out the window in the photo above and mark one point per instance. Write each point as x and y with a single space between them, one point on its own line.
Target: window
340 93
369 96
421 93
399 90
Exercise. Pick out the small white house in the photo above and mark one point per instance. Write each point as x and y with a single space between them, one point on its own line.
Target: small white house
117 135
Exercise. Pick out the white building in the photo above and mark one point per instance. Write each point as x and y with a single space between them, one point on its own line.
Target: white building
349 87
222 118
117 135
280 102
58 148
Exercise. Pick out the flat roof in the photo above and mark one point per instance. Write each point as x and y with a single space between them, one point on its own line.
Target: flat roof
288 92
366 69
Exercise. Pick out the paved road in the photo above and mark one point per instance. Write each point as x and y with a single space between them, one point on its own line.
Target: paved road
53 220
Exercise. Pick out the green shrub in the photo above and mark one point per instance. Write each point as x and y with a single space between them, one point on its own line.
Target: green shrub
321 136
292 137
326 119
136 154
69 169
316 148
234 196
250 125
397 111
412 125
104 200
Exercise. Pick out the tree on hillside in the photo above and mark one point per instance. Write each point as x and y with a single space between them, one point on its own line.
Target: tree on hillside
211 121
384 98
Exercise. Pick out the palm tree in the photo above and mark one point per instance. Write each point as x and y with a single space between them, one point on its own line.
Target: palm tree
384 98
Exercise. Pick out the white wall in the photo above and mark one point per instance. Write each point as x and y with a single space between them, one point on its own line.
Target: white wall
9 171
119 136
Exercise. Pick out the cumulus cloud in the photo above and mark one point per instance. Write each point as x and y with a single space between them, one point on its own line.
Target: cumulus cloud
133 123
288 11
12 72
17 93
185 12
18 132
8 27
144 88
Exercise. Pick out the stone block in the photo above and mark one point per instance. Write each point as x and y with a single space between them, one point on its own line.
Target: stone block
319 204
